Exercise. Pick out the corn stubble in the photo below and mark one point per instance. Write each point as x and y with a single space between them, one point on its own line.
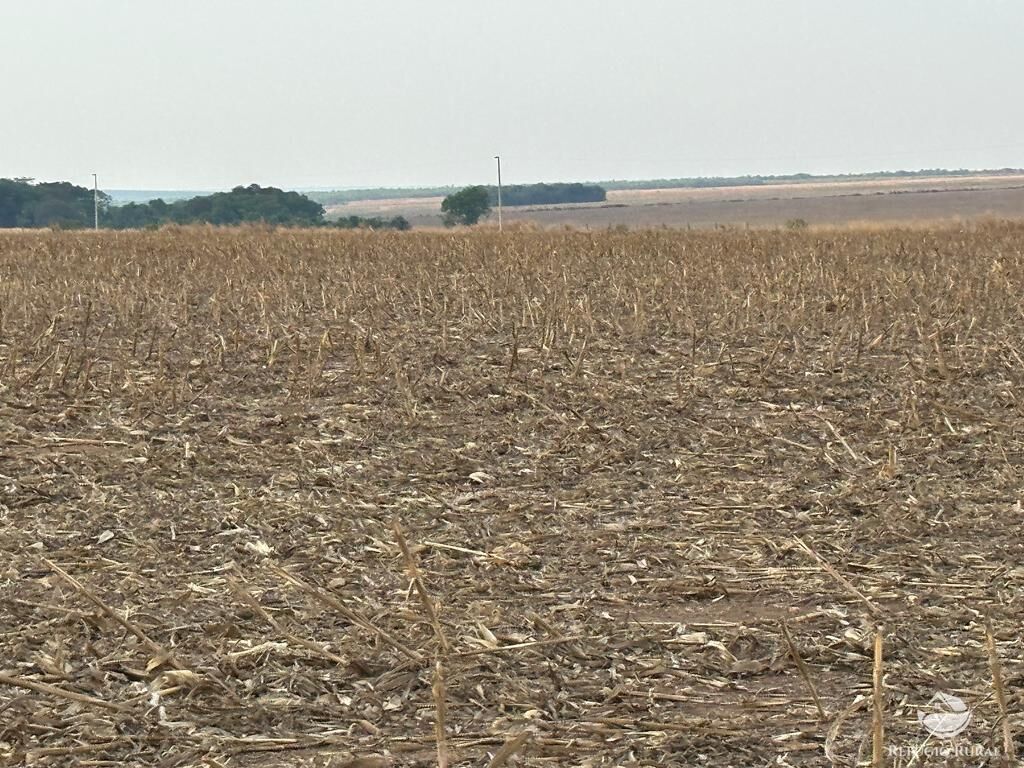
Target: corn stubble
308 498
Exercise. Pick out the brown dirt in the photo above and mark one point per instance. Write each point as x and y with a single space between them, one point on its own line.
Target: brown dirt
889 201
620 461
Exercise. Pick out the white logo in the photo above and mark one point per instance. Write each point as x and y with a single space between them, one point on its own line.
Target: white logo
945 716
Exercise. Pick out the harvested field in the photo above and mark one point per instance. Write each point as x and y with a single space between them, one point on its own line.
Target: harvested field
276 498
891 202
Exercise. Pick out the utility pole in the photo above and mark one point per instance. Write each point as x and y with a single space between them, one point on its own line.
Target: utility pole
498 158
95 203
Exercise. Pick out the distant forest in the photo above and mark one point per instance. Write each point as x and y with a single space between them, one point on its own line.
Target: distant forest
60 204
511 195
241 205
548 194
47 204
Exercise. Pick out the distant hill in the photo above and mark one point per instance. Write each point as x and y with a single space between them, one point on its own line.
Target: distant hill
336 197
698 182
341 196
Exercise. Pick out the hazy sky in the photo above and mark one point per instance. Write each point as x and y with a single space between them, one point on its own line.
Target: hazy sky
203 94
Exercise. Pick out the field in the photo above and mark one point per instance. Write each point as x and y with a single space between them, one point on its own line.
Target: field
890 201
708 498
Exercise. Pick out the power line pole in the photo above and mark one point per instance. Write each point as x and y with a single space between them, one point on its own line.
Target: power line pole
95 203
498 158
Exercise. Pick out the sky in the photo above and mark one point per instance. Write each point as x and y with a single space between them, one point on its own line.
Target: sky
208 94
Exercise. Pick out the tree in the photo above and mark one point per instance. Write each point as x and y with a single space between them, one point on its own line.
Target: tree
467 206
60 204
27 204
253 203
374 222
548 194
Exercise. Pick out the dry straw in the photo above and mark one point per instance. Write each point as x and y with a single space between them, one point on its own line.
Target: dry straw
878 707
639 475
1009 751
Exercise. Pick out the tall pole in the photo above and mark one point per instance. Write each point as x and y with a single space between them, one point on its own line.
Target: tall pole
95 203
498 158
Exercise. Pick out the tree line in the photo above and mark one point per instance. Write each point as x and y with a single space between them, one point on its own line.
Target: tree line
47 204
515 194
61 204
547 194
469 205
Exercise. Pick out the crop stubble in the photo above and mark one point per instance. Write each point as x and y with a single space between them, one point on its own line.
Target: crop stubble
305 498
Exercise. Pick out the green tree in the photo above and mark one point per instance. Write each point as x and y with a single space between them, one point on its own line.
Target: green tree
467 206
548 194
60 204
242 204
24 203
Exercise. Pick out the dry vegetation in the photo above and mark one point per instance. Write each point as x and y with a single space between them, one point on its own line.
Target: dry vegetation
308 498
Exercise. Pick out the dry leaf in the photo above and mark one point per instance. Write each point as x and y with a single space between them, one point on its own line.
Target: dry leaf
259 547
